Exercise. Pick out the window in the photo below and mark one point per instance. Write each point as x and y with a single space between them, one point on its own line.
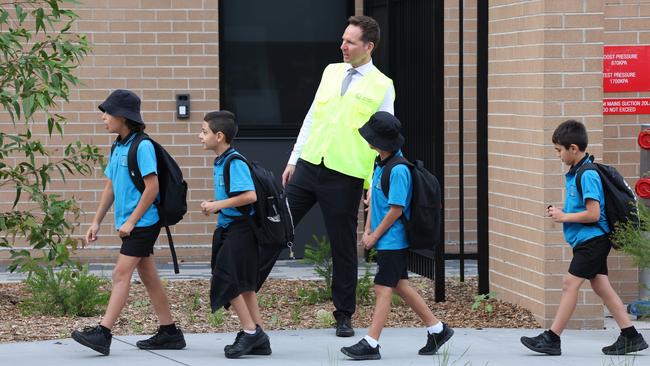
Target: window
272 55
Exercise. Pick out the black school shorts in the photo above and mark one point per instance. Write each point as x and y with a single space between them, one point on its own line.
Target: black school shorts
590 257
391 267
141 241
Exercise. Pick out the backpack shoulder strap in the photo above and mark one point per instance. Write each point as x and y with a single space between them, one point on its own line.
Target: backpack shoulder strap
226 178
226 169
132 161
385 175
581 170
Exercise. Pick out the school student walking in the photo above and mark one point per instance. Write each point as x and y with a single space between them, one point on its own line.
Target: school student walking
137 224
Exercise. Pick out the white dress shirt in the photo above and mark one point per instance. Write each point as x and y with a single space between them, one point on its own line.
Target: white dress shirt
386 106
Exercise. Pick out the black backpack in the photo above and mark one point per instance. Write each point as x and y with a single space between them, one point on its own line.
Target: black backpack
272 221
620 200
172 204
423 228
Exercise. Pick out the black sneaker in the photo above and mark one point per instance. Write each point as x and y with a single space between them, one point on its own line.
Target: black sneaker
244 344
543 343
362 351
94 338
436 340
344 326
263 350
625 345
163 340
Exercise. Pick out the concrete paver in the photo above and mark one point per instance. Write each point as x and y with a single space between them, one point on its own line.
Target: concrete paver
399 346
476 347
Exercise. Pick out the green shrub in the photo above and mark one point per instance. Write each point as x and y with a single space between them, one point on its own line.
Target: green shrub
635 241
70 291
217 318
320 255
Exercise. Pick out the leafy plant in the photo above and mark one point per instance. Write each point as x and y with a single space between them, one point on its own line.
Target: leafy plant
296 316
314 295
481 301
39 56
73 292
635 241
217 318
395 300
267 301
320 255
275 320
325 318
365 284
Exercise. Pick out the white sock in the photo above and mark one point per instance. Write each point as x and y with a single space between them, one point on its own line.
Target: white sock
371 341
249 331
436 328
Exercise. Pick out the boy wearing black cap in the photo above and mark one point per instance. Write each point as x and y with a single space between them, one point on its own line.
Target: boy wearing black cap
137 223
385 231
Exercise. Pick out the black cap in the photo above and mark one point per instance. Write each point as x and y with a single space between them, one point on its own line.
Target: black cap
123 103
382 132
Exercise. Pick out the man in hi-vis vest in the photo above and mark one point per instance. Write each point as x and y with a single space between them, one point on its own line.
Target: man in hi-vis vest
330 160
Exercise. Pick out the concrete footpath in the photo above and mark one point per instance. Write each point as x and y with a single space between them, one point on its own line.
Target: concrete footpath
399 346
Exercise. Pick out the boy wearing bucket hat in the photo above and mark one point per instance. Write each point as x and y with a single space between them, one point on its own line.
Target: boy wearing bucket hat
385 231
137 224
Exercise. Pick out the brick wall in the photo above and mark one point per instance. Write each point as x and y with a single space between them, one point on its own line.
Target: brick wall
157 48
453 201
545 67
626 23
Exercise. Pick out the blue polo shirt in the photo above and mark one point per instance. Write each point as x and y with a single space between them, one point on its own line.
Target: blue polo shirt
592 188
240 181
399 194
126 195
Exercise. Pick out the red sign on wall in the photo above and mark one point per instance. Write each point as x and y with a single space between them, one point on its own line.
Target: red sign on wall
626 106
626 69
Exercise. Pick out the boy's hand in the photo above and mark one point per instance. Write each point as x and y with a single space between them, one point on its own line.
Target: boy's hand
556 214
125 229
368 240
211 206
91 234
366 201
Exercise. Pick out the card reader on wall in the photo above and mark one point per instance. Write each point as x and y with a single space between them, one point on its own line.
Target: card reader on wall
182 106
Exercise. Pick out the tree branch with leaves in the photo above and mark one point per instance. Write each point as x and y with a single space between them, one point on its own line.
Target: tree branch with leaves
38 55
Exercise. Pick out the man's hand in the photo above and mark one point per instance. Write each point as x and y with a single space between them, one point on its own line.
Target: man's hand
125 229
556 214
91 234
288 174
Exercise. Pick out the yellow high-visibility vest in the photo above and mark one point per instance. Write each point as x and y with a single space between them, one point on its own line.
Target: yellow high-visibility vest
334 138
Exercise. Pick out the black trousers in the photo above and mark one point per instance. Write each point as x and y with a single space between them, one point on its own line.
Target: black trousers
339 196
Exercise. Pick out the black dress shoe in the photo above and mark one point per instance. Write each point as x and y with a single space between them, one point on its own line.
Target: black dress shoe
625 345
163 340
543 343
244 345
344 326
94 338
436 340
362 351
263 350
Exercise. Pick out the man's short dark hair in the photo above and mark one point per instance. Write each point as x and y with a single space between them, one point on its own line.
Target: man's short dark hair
369 28
224 122
571 132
